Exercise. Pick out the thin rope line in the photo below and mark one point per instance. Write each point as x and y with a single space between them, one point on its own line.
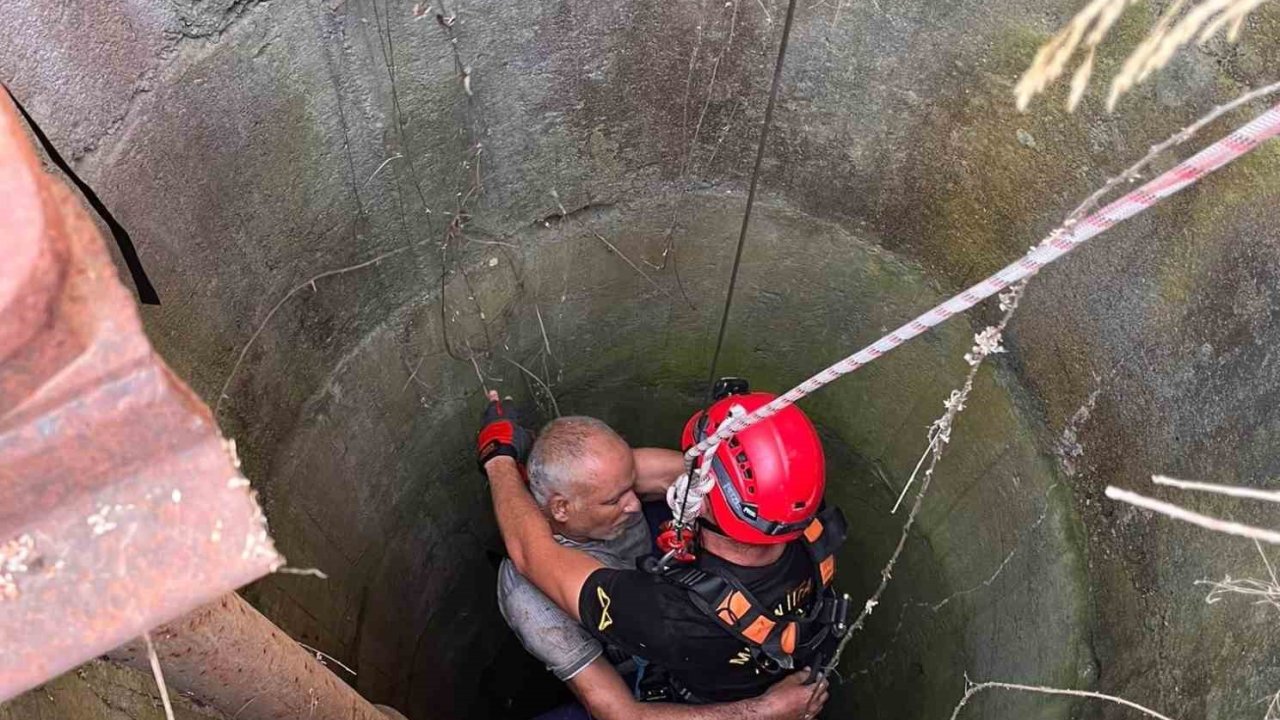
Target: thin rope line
737 256
751 194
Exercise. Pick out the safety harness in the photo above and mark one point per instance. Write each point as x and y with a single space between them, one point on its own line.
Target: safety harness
771 639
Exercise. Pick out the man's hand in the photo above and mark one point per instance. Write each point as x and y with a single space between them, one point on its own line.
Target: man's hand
501 434
791 699
607 697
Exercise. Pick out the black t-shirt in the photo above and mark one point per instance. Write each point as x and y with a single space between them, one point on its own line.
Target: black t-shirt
644 615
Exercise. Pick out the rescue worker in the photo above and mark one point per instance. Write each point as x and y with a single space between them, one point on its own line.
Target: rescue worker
588 484
757 600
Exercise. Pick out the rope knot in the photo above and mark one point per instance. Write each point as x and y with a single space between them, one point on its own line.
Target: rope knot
687 494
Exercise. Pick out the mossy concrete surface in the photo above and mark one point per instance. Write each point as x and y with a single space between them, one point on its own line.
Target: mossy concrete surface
252 146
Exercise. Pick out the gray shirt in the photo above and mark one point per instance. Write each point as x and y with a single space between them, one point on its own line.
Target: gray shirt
543 628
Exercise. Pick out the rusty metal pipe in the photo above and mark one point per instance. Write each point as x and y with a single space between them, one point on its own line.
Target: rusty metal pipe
231 657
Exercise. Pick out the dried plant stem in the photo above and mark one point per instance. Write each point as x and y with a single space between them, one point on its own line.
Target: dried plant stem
1273 708
545 387
1267 591
1199 23
479 375
1195 518
1134 171
543 327
1230 490
635 267
941 438
1176 27
309 572
386 162
309 283
933 441
973 688
322 656
159 675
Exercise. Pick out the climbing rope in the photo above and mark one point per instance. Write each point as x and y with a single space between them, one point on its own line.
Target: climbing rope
1239 143
681 511
685 496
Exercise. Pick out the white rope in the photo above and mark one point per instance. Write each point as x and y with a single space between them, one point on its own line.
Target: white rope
685 498
687 510
1059 242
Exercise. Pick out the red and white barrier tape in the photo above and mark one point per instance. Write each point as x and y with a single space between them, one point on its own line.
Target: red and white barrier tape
1241 142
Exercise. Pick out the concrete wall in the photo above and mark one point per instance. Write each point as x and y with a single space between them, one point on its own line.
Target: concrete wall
251 146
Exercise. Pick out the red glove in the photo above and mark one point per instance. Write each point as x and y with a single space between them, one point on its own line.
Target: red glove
502 434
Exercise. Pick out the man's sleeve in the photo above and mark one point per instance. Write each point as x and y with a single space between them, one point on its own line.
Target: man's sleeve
550 635
626 608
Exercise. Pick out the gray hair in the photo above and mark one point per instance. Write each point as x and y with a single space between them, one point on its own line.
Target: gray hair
559 451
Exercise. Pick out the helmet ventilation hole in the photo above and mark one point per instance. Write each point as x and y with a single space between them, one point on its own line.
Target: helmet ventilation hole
799 505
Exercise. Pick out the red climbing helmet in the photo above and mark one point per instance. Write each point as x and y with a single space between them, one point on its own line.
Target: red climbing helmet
769 478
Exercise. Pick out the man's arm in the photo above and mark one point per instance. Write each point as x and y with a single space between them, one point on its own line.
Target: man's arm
559 572
607 697
656 470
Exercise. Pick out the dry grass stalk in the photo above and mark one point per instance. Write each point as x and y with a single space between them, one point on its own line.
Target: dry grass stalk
555 406
1176 27
1230 490
1266 592
309 283
154 659
1205 521
972 688
1273 708
1089 26
1168 36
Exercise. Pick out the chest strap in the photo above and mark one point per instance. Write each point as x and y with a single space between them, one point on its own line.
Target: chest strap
772 639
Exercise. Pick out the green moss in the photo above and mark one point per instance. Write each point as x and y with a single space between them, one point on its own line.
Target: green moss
1220 201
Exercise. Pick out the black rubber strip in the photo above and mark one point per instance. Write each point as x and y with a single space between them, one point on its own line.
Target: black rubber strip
146 291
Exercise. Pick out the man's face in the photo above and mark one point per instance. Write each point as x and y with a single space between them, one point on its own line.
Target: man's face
603 501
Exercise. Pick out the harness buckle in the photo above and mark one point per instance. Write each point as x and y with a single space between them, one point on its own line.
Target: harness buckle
834 613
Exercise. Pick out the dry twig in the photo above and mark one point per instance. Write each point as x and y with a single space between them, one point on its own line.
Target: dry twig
1266 591
322 656
546 388
635 267
1205 521
159 675
542 326
1273 708
310 283
972 688
309 572
1230 490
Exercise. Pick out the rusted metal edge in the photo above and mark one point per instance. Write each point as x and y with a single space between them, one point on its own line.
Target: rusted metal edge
121 506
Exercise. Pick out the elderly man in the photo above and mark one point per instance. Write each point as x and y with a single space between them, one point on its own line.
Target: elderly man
588 484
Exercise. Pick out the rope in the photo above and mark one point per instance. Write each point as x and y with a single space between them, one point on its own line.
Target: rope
682 513
751 194
692 493
1239 143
